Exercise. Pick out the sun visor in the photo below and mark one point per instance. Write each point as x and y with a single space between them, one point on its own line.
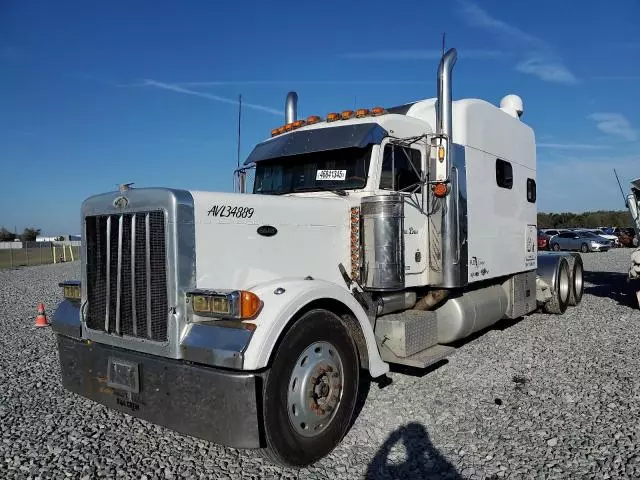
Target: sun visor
318 140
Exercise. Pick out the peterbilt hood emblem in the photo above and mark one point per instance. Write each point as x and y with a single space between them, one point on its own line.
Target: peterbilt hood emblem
121 202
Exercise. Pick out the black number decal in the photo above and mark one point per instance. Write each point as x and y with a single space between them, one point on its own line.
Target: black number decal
224 211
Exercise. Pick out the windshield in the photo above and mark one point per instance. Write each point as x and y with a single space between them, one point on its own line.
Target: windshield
342 169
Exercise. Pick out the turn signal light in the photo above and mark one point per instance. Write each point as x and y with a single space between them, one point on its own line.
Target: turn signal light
332 117
249 304
440 189
346 115
377 111
311 119
362 112
441 153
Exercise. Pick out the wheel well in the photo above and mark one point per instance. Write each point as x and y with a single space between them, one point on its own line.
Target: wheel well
347 318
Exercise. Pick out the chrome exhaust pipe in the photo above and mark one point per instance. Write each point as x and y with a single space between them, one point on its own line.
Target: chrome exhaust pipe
443 112
454 257
291 108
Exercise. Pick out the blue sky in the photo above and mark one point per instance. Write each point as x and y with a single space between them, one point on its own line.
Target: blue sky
93 94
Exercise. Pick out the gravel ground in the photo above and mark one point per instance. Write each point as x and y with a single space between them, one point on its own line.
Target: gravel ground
546 397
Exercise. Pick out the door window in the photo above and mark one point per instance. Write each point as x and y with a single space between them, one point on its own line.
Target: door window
401 168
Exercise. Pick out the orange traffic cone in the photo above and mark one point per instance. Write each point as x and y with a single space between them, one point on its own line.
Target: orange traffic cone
41 318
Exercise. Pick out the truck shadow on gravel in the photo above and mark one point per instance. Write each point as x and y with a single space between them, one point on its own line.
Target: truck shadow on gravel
611 285
422 459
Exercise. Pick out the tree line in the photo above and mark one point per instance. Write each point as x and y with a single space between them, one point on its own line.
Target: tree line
601 218
27 235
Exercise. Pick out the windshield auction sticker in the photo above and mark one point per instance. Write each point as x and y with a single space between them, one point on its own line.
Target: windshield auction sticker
331 175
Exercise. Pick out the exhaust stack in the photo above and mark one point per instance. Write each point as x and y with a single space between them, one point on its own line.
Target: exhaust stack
291 108
451 170
443 112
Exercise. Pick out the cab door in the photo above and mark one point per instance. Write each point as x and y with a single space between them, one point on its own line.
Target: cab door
402 171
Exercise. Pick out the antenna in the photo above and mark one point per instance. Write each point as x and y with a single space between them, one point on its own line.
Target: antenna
621 191
239 127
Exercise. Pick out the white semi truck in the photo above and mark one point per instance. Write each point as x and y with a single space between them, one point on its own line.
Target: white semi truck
372 237
633 203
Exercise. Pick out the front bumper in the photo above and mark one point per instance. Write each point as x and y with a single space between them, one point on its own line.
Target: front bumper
600 248
206 402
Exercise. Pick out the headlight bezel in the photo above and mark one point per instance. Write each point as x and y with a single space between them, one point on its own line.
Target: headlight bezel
224 304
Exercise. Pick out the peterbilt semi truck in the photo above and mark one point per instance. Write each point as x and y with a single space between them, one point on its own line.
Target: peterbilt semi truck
633 203
371 238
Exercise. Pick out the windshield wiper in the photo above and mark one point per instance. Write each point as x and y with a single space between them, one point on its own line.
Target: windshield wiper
341 193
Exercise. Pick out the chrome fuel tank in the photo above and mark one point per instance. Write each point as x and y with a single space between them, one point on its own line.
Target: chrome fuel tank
382 218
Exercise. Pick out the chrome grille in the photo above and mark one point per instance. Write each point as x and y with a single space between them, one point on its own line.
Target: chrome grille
126 274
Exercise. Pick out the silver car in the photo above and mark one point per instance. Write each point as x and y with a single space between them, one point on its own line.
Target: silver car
583 241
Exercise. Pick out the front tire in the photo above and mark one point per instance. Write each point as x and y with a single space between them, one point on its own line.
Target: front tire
556 247
584 248
310 391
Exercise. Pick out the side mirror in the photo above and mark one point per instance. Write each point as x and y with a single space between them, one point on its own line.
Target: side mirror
633 206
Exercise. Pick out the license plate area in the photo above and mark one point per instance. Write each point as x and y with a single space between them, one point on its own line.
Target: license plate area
123 375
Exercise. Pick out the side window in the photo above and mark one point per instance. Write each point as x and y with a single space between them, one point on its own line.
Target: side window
504 174
531 190
401 168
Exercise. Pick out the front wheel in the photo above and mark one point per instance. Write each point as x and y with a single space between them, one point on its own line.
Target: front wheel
584 248
556 247
310 390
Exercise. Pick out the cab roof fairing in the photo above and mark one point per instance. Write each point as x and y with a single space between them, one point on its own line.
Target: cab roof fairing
358 132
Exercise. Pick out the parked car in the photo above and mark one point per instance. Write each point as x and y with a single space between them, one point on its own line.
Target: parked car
609 236
552 231
543 240
628 237
583 241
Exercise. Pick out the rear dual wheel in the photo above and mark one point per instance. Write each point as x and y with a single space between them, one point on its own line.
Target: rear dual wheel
310 390
562 286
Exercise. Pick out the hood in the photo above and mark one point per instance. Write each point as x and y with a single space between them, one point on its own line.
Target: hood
243 240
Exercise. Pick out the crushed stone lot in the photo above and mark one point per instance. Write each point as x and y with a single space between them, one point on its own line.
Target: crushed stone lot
544 397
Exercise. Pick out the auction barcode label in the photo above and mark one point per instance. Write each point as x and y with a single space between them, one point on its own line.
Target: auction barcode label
331 175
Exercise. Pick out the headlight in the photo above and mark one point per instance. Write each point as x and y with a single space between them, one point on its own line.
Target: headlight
595 244
240 304
71 290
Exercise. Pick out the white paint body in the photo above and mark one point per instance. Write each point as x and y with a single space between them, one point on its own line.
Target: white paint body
313 229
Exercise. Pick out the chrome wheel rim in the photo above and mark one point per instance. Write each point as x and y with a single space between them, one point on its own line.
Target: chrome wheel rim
577 280
315 389
563 287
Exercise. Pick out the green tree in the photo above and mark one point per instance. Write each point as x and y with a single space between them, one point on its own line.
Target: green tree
6 235
30 234
601 218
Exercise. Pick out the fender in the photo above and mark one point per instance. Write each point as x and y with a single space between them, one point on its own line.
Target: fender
279 309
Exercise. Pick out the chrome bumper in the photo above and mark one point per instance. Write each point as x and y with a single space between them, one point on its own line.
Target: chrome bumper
209 403
205 343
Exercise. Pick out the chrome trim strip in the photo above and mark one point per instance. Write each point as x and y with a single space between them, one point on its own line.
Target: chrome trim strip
66 319
133 275
211 344
147 245
119 273
108 284
454 224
